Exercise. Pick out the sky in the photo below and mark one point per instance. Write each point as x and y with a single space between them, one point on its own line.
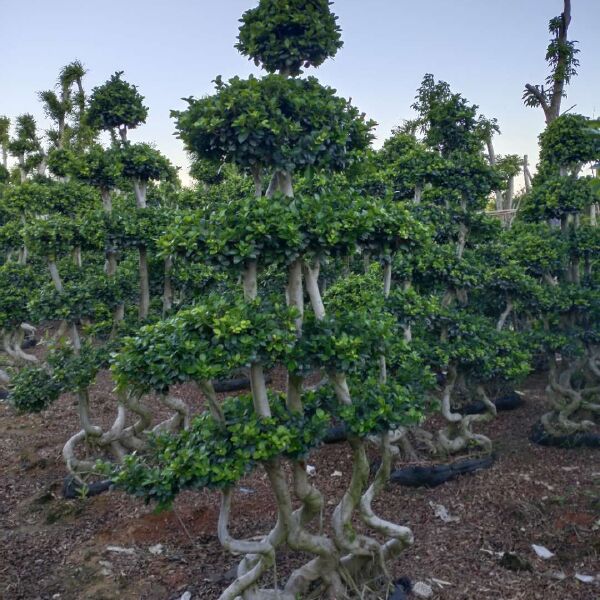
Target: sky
485 49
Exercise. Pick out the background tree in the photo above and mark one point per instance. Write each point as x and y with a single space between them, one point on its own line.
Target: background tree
77 229
4 139
26 146
561 56
565 315
458 337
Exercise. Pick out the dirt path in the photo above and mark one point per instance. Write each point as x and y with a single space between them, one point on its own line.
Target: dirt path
55 548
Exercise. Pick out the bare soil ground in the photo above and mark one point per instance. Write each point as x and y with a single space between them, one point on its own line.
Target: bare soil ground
56 548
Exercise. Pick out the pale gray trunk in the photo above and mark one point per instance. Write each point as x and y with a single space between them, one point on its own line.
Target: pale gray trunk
76 255
418 193
54 274
168 286
111 261
593 211
295 298
41 168
510 193
144 283
140 187
257 376
505 314
106 200
526 174
22 256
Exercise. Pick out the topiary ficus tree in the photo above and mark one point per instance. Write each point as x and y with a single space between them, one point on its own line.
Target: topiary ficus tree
450 320
117 106
71 233
277 129
560 216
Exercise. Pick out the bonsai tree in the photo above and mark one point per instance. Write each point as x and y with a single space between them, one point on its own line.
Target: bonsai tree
117 106
447 319
560 214
406 164
74 239
273 129
89 301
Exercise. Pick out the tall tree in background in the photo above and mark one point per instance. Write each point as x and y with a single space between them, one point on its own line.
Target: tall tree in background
26 146
66 107
4 139
561 56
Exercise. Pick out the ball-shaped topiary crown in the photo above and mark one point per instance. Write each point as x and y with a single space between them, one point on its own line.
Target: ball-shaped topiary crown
286 35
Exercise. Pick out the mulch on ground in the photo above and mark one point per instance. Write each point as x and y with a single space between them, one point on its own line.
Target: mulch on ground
51 548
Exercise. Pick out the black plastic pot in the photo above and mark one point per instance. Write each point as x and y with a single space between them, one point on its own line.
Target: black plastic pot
73 489
432 476
575 440
507 402
336 434
234 385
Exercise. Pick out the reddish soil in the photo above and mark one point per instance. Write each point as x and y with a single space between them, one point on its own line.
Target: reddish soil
51 548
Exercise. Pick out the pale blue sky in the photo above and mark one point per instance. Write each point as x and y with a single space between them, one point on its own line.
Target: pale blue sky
485 49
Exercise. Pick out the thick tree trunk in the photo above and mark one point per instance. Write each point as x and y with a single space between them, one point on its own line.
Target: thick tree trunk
144 307
106 200
418 193
168 286
54 274
526 174
257 377
76 254
509 194
566 401
140 187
